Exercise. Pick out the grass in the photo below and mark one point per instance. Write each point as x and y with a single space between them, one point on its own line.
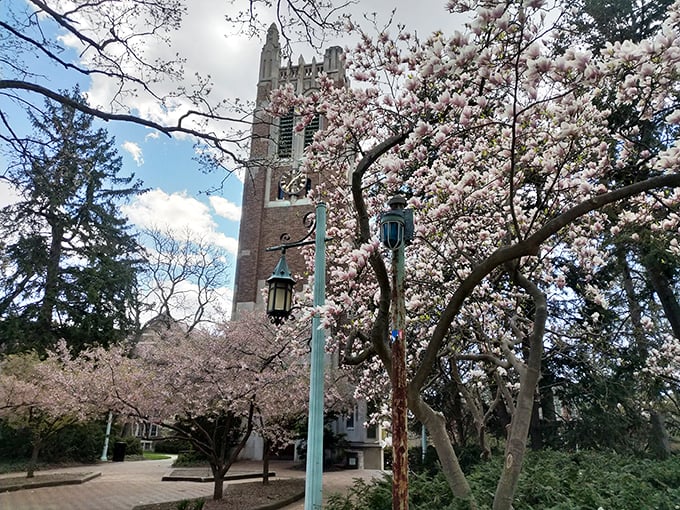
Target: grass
155 456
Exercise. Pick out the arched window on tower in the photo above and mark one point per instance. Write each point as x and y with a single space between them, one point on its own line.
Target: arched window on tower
292 144
285 142
310 129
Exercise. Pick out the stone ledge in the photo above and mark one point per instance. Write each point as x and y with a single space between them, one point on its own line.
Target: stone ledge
51 480
202 475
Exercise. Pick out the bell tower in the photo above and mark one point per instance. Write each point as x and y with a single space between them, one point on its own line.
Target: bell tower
275 189
275 202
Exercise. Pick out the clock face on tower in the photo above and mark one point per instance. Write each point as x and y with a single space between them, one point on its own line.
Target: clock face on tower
293 181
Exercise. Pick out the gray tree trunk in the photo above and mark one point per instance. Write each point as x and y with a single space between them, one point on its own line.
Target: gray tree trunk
434 422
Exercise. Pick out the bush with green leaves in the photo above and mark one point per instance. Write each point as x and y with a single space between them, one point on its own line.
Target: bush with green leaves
550 481
171 446
77 442
190 457
133 445
191 504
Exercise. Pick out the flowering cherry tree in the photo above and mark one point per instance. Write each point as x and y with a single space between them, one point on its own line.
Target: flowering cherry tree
503 147
211 388
32 397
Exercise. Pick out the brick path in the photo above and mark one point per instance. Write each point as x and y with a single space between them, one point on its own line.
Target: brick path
123 485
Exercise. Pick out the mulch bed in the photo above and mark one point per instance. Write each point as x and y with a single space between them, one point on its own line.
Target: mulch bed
244 496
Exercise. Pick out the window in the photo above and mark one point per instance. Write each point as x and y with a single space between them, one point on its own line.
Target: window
351 419
372 429
291 144
285 149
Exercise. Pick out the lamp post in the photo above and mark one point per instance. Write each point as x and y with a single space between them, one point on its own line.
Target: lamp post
279 306
396 229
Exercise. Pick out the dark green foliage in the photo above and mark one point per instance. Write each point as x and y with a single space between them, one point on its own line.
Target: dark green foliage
550 481
70 262
133 445
171 446
189 504
602 21
191 457
15 444
78 442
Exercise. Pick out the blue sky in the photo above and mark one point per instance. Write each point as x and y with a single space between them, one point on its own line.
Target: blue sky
177 187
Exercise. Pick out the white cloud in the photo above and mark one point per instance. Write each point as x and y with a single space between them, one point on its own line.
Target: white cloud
135 151
152 135
225 208
177 213
8 194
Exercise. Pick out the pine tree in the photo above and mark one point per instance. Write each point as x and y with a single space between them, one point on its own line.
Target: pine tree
70 260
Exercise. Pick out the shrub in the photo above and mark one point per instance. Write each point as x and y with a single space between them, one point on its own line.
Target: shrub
15 444
549 481
430 464
188 504
79 442
171 446
133 445
190 458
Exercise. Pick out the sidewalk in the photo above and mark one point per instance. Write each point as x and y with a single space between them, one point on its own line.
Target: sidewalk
337 481
123 485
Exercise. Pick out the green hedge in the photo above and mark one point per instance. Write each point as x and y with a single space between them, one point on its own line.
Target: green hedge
79 442
549 481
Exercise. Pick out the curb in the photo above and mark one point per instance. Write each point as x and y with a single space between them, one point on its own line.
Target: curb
35 483
280 504
189 478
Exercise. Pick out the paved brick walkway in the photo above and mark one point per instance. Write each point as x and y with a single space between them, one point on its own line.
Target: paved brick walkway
123 485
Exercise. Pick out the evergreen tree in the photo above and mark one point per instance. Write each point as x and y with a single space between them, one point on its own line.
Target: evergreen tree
69 262
640 273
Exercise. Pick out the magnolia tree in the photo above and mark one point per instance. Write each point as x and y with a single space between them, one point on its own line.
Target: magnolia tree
211 388
503 149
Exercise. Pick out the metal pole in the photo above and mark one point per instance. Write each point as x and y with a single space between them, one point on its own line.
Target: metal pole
106 438
399 405
314 471
423 443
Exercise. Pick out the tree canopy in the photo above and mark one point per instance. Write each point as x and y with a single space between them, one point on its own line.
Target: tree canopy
69 257
111 44
504 146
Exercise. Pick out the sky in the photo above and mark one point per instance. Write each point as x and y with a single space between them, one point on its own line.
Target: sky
176 195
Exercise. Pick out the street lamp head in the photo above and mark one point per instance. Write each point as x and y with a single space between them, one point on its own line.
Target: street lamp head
397 203
396 225
280 296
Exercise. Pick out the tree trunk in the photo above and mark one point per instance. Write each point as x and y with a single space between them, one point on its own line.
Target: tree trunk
265 461
218 487
535 427
664 290
434 422
521 417
659 442
49 301
35 450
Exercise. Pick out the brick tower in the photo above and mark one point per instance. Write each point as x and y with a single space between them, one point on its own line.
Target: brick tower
275 202
274 192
